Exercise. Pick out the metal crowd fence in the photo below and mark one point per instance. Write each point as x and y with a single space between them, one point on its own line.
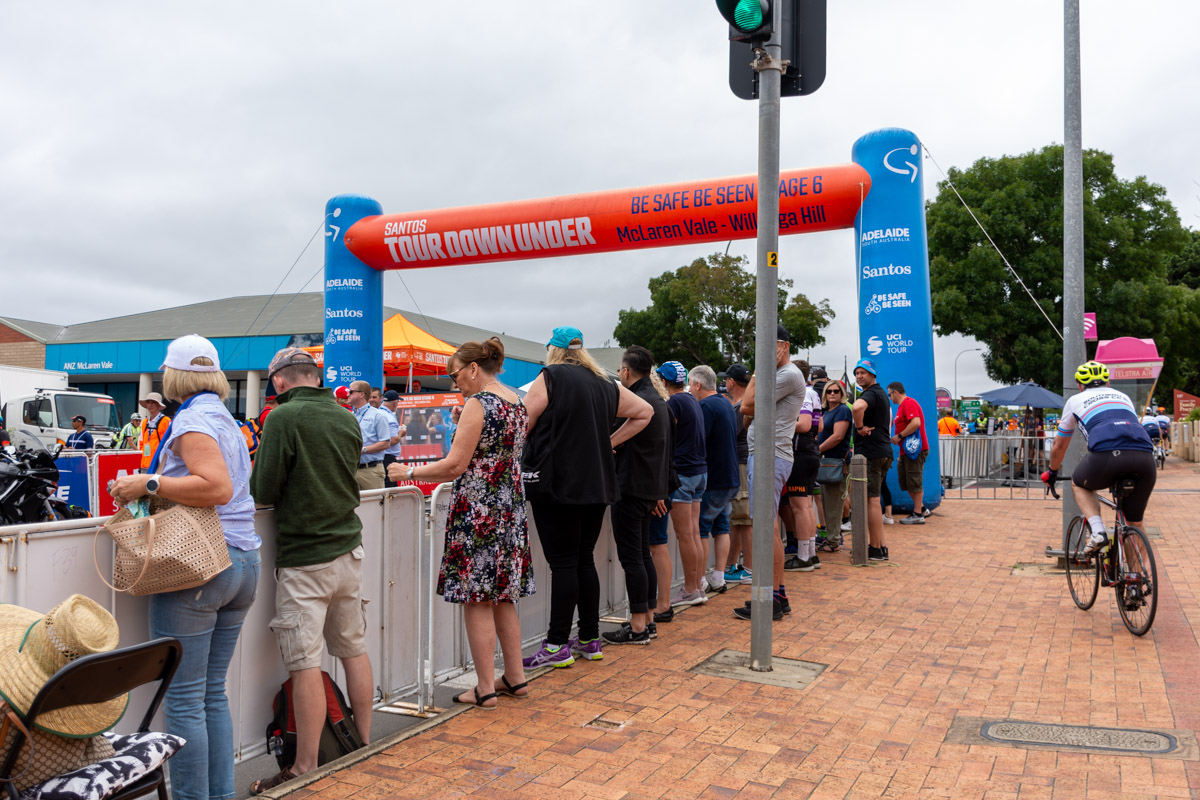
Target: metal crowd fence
994 467
415 640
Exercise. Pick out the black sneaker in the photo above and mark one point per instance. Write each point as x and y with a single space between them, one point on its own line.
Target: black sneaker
797 564
886 555
913 519
626 635
665 616
875 554
652 629
744 611
816 562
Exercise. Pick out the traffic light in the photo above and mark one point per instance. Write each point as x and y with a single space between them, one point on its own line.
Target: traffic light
802 44
749 20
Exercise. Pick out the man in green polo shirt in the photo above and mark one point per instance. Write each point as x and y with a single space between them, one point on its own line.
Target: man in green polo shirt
305 467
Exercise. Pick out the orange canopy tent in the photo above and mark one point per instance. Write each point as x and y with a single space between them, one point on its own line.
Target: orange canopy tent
407 350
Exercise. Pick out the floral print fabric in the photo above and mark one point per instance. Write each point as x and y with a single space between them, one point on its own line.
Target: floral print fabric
487 555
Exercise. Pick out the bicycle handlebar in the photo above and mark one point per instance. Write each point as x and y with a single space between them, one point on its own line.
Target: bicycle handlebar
1050 484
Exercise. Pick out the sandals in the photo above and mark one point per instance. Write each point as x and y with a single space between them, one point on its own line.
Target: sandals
264 784
479 701
511 691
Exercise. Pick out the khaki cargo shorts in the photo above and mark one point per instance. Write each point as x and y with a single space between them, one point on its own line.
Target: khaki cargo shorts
877 469
317 605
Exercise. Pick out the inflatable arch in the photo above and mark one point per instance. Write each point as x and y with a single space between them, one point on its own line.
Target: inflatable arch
879 194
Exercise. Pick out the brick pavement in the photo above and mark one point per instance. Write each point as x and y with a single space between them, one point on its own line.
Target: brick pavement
946 629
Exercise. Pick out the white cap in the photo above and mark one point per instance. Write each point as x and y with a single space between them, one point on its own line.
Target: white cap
181 352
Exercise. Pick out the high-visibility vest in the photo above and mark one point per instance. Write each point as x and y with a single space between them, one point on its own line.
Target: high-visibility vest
149 438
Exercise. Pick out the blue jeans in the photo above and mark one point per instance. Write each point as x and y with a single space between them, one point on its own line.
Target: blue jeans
714 511
207 620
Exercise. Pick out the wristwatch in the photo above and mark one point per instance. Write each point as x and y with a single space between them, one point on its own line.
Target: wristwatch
411 469
152 485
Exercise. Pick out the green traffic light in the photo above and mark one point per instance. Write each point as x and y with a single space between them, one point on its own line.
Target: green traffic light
748 15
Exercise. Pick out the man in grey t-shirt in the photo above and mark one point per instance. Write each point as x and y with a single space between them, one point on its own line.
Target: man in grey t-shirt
790 390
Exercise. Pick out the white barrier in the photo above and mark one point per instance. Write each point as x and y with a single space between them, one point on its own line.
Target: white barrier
414 638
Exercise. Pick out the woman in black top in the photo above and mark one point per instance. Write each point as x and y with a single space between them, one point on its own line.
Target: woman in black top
570 479
834 442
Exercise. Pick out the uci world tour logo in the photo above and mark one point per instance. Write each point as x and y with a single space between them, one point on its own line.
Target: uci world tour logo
874 345
911 167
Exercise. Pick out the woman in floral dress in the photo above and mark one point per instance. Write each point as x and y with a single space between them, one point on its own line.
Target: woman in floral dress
486 564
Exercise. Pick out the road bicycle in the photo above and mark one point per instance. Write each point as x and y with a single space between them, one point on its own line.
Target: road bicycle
1160 455
1126 563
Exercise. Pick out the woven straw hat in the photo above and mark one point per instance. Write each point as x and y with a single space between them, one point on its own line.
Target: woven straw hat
33 647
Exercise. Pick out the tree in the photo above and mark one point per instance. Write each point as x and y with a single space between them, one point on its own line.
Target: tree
1132 241
703 313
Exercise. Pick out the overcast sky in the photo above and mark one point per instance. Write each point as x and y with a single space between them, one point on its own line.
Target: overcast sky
156 154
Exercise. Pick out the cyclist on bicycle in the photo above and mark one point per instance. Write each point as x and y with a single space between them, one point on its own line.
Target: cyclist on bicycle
1150 423
1164 423
1117 445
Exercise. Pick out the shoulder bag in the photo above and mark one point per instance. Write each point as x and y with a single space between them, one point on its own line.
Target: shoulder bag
175 547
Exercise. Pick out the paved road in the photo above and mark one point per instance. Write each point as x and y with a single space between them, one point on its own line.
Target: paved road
945 632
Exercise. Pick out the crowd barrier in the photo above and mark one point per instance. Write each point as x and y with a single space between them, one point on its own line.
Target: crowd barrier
415 640
81 473
994 467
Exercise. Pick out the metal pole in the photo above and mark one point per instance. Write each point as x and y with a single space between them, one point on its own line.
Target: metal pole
1074 348
968 350
765 502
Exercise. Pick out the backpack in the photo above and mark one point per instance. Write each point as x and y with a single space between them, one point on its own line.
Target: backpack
252 432
338 737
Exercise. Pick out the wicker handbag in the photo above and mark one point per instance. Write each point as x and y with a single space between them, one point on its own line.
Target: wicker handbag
176 547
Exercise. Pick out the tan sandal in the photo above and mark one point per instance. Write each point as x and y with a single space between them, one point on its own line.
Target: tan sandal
265 784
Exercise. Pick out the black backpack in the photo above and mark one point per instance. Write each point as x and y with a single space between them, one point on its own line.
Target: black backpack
338 737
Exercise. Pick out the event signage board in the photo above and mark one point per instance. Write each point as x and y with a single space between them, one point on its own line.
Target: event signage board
353 299
1184 403
895 316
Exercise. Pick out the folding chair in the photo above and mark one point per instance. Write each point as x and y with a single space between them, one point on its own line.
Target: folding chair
100 677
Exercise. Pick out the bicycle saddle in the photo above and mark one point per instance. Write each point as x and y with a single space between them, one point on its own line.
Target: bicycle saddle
1124 485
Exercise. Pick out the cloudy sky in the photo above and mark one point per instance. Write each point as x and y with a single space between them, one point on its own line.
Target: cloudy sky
155 154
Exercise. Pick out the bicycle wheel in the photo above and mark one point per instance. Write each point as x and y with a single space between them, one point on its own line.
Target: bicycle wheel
1137 582
1083 570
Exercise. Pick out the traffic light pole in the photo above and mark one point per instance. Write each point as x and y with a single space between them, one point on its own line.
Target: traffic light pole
765 501
1074 347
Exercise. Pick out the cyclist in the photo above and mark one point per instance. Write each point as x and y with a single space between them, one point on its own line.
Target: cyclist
1117 445
1150 423
1164 423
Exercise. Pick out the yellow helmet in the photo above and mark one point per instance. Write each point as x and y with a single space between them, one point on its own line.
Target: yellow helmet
1091 372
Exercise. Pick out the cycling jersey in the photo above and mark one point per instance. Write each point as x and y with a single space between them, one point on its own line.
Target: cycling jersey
1109 421
1164 423
1150 423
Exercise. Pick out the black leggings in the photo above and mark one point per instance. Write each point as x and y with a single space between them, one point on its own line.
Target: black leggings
631 531
568 534
1099 471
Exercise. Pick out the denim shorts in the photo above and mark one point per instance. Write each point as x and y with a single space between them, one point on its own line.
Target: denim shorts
715 509
691 488
658 528
783 468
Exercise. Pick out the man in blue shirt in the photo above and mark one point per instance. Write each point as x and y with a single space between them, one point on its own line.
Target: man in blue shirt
376 436
724 477
80 439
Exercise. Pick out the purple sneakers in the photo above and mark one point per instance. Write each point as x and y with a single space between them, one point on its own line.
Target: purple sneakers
546 657
589 650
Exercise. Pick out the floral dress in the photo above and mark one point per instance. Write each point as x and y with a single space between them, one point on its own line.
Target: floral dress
487 555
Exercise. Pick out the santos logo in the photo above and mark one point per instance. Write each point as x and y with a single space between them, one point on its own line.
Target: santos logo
874 346
912 168
890 269
343 313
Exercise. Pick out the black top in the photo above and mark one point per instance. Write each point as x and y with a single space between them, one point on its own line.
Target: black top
841 413
644 462
743 446
879 416
691 457
573 434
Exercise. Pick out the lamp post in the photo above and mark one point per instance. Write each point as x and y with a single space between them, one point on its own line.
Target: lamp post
968 350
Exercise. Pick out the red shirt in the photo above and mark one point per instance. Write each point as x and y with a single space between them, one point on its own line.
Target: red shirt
907 411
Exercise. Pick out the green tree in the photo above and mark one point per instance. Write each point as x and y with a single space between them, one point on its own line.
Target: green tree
703 313
1132 239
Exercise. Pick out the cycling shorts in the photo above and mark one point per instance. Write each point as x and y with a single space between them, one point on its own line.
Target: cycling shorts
1099 471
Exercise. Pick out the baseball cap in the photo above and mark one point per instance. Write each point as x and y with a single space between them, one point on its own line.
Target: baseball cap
152 396
181 352
782 335
673 372
562 336
79 418
738 372
867 364
818 372
390 395
287 357
342 393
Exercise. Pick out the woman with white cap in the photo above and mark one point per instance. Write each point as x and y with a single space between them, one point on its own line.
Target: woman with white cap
201 462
